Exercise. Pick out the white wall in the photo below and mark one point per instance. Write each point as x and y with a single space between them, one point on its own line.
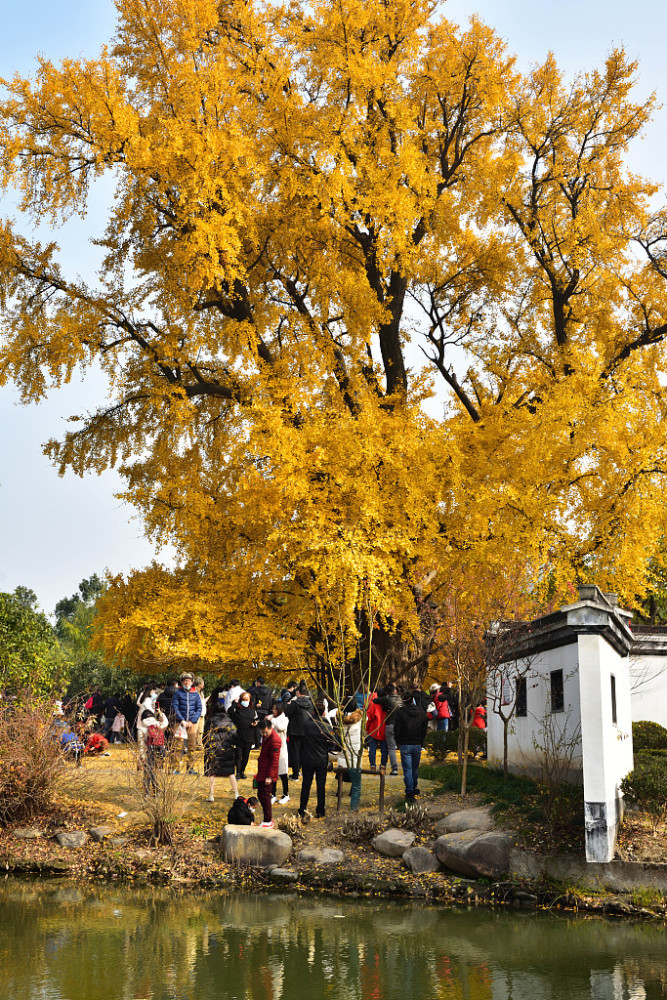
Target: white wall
607 746
648 678
522 754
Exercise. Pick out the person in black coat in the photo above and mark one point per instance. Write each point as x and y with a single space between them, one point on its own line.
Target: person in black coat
165 698
410 726
262 698
111 710
220 746
296 710
288 692
318 743
452 698
243 715
130 710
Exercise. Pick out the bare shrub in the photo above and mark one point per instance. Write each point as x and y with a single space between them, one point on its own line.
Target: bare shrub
416 818
291 824
361 827
31 758
559 748
159 792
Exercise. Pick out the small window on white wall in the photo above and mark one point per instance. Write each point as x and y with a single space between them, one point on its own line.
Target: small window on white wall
557 694
521 698
613 699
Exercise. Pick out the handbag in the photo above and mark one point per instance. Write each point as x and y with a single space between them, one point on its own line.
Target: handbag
155 737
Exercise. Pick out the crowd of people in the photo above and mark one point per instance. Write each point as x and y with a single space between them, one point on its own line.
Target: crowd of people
299 737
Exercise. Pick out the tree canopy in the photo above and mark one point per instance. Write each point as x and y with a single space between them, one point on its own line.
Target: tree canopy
30 658
323 215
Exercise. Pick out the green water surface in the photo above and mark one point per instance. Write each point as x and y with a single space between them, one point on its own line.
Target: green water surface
63 942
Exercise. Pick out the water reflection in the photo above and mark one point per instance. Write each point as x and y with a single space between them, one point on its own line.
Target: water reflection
59 942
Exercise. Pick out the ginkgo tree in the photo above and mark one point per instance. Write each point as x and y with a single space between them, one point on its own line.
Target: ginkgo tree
323 214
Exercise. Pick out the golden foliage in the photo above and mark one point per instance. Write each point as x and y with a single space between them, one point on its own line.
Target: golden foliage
304 195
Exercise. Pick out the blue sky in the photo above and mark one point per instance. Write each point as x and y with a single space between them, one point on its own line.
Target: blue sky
53 531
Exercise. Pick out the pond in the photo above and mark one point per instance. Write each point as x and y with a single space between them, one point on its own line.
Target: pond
61 941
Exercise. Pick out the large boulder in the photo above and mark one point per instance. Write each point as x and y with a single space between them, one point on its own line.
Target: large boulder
393 843
28 833
474 854
420 860
466 819
320 856
252 845
100 833
283 875
72 839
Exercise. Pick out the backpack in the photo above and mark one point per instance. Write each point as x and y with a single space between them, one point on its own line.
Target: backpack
155 737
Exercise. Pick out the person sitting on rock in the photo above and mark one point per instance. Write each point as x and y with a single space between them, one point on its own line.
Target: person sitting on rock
242 812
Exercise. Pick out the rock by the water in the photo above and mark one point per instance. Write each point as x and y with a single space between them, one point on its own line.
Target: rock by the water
466 819
28 833
420 860
72 838
393 843
320 856
283 875
474 854
248 845
99 833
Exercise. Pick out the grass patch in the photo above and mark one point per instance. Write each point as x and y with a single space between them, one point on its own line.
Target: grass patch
514 792
645 895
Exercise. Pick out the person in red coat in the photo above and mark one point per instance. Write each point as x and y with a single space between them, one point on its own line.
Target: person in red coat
376 718
479 718
267 768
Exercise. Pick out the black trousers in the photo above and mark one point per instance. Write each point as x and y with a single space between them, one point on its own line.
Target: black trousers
294 744
242 756
320 775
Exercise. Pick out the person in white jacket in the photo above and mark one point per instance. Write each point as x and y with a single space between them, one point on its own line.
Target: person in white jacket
233 694
151 725
352 750
145 702
280 724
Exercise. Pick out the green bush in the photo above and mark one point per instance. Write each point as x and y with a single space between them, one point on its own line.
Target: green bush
647 784
652 753
440 743
648 736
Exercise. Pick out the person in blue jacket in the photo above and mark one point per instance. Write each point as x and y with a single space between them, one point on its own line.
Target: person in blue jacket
185 710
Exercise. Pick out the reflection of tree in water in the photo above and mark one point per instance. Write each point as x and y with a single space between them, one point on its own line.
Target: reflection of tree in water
142 942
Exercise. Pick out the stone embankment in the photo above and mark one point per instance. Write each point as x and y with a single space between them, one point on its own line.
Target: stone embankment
446 865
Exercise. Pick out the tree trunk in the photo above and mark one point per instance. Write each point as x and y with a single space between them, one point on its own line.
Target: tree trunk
505 728
464 770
